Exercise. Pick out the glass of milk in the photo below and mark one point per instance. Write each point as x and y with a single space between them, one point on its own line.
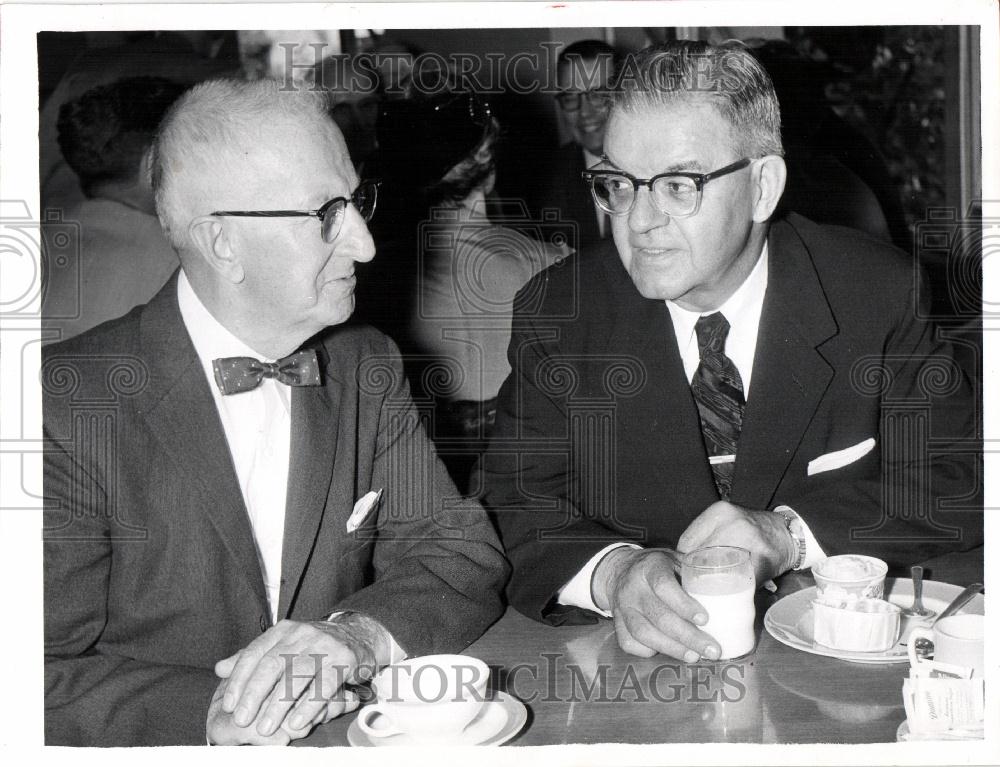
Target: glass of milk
721 579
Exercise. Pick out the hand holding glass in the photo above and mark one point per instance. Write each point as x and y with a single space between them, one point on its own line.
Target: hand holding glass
721 579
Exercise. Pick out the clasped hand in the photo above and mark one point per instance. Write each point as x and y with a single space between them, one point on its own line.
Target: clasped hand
289 679
652 613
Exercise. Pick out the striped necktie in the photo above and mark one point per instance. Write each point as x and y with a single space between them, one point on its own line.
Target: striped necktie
718 392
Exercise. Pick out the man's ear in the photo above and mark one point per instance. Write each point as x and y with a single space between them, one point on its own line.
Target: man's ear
210 239
146 168
770 174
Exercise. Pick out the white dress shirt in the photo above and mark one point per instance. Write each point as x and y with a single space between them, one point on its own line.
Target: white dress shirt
258 427
742 311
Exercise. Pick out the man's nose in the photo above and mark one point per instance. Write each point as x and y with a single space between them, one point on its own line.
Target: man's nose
355 240
645 215
588 109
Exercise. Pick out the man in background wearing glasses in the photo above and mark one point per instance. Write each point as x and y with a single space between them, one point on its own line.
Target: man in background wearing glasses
721 379
583 72
244 514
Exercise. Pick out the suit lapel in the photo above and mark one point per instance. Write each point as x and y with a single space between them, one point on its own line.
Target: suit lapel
663 411
311 461
181 414
790 375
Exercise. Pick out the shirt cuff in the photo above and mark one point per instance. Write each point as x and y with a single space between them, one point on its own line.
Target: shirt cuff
577 593
814 552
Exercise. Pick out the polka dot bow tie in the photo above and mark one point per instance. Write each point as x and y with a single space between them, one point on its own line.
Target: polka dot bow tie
238 374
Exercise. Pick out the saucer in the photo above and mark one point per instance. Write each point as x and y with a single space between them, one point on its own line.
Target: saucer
790 620
499 720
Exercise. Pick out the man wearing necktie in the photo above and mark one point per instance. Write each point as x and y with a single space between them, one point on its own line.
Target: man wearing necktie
718 378
244 515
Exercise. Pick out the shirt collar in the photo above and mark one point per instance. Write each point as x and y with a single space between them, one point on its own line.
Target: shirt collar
744 305
210 338
590 159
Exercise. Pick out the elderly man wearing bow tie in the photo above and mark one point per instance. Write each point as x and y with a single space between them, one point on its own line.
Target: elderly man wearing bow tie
244 515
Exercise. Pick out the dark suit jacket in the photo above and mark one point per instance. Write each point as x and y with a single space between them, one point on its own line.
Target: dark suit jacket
151 573
563 189
597 436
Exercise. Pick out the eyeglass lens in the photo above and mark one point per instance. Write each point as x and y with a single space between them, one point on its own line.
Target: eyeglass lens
572 101
363 198
674 195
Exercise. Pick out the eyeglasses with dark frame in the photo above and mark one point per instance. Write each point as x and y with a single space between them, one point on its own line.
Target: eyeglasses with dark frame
677 193
572 101
330 213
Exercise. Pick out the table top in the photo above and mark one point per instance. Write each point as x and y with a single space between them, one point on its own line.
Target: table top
580 687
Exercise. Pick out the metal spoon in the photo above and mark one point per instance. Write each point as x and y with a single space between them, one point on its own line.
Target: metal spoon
923 647
917 610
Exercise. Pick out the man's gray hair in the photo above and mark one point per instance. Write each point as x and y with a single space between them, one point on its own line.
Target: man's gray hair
210 132
726 75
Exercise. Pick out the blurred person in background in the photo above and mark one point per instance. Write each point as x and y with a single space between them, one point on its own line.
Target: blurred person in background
185 57
122 258
353 85
457 269
583 72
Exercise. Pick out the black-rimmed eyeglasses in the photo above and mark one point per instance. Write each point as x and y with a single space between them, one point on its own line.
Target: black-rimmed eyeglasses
677 194
572 101
330 213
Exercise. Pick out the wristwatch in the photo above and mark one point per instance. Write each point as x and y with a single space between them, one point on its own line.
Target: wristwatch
793 523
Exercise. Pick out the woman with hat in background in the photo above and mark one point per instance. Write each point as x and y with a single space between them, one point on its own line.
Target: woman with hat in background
445 275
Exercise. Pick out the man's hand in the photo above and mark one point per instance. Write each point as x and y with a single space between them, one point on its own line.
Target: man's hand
651 612
293 675
762 533
221 730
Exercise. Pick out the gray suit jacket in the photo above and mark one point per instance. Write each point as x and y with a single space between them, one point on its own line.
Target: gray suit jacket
151 573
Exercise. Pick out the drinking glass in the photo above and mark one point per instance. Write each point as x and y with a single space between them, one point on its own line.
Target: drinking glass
721 579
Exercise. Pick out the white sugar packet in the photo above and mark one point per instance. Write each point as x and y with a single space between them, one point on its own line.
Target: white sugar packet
942 704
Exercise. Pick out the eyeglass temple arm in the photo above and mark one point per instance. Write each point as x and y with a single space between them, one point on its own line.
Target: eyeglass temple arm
375 182
738 165
265 213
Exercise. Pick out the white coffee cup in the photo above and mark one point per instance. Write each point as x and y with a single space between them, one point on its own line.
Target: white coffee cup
430 698
958 641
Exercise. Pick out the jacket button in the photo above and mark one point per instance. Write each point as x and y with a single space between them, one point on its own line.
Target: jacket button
263 624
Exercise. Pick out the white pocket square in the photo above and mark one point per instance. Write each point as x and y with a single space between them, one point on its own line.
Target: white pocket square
840 458
362 509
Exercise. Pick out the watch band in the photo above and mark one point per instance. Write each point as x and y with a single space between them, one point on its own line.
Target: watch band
794 526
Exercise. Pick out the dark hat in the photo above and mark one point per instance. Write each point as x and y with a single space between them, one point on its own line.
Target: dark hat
423 138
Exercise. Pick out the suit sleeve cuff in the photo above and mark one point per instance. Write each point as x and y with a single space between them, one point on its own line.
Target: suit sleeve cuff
577 593
396 653
814 552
